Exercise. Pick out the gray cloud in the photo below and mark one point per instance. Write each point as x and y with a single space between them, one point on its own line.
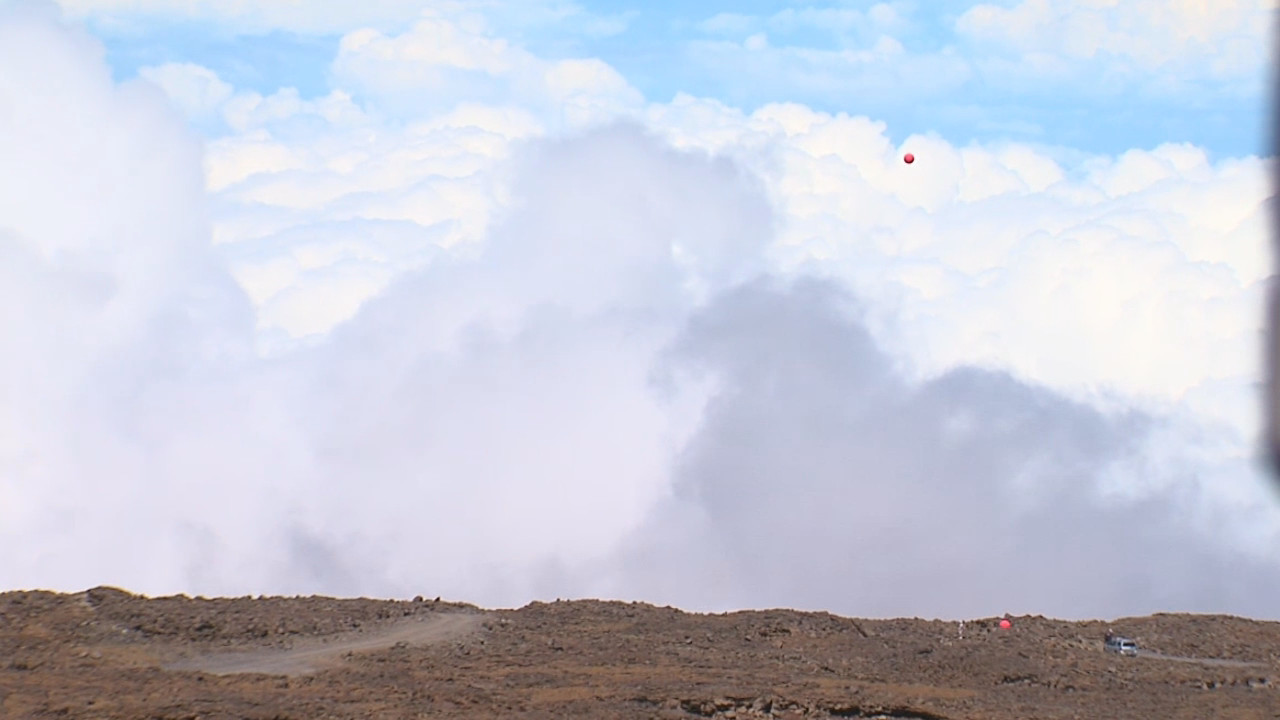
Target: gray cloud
820 479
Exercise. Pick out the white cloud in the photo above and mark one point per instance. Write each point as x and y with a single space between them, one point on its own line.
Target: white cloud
1025 55
276 172
442 62
434 176
879 18
129 391
966 215
901 237
249 110
197 91
202 96
536 350
1218 40
878 69
305 279
232 160
728 23
1082 277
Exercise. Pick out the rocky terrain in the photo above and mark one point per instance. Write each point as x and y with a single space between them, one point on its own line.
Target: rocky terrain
106 653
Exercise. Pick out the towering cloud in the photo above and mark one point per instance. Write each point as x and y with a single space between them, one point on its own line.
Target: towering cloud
722 360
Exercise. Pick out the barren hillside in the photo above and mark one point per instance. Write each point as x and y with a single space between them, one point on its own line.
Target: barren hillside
107 654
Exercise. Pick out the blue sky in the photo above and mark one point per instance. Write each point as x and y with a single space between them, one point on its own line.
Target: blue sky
945 81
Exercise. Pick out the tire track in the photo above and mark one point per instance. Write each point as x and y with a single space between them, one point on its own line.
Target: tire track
314 655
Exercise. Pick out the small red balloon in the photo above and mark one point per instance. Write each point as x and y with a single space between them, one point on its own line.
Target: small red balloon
908 158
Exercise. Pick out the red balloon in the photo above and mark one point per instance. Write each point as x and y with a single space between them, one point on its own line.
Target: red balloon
908 158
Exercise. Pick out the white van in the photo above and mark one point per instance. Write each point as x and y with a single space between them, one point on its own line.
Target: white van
1123 646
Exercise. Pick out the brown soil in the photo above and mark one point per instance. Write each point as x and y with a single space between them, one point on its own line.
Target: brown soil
108 654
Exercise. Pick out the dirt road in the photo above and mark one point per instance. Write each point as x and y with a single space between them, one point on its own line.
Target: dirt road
1218 662
318 654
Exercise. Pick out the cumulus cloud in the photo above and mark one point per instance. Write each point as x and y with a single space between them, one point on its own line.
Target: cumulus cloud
714 358
1177 41
1035 50
291 200
876 70
819 477
427 438
1130 72
1007 255
198 91
446 60
879 18
412 138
